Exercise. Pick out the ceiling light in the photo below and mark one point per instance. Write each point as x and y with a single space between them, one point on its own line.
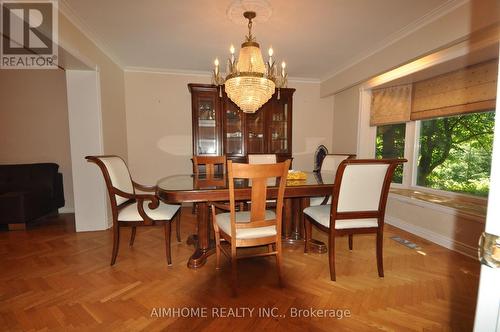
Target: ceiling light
249 82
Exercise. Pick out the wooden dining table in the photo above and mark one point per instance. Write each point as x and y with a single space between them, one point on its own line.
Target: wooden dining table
203 189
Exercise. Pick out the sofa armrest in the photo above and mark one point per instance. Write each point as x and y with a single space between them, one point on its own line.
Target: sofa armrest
58 191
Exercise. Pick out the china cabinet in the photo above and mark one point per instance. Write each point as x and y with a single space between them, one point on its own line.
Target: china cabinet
221 128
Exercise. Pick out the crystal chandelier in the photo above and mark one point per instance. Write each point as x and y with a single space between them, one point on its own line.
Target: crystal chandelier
250 82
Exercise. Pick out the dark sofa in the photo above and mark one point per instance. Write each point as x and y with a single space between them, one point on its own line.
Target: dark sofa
28 192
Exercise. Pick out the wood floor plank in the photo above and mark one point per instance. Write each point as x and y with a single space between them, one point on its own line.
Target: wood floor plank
52 278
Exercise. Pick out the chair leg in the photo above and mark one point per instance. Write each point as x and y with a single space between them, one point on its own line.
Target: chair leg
168 230
380 259
278 264
217 249
178 226
217 240
350 241
116 243
234 274
132 236
331 254
307 233
270 247
217 256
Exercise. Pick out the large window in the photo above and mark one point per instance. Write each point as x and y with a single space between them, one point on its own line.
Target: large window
391 144
455 153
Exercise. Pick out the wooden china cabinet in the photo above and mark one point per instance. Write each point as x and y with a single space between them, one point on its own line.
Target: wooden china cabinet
221 128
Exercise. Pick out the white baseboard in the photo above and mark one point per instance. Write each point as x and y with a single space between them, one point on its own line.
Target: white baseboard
434 237
65 209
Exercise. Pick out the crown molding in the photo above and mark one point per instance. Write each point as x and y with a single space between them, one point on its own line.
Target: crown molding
187 72
90 34
428 18
312 80
167 71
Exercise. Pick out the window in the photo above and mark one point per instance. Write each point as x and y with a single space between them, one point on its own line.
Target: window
390 143
455 153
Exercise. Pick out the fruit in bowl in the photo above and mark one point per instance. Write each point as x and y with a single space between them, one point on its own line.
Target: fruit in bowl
296 175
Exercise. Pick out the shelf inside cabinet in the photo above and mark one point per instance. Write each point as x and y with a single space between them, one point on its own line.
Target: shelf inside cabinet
206 123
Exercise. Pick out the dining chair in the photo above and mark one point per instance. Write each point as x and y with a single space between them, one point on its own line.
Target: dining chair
212 164
257 159
329 164
262 159
132 209
209 166
257 227
358 206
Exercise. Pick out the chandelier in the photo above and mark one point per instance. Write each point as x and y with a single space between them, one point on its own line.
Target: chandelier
249 82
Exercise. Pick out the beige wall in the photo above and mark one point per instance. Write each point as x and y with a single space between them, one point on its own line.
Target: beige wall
159 123
312 123
111 85
345 121
34 121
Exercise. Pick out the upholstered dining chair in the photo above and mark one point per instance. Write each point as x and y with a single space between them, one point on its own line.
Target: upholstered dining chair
262 159
257 227
132 209
257 159
329 165
358 205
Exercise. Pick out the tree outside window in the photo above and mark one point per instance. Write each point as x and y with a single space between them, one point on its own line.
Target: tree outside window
390 143
455 153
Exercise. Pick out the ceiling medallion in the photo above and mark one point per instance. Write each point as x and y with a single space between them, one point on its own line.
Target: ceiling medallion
237 7
249 82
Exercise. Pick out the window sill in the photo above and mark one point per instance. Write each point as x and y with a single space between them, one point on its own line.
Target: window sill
470 208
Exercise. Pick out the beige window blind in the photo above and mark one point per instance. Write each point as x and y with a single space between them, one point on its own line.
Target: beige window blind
471 89
391 105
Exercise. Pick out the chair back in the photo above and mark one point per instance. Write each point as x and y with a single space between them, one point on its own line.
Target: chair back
258 174
361 188
262 159
332 161
116 175
210 163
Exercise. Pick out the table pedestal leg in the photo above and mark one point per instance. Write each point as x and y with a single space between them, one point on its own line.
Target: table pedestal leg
294 225
202 241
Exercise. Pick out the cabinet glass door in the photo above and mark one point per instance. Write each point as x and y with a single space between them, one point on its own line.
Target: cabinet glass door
207 129
233 134
279 129
255 132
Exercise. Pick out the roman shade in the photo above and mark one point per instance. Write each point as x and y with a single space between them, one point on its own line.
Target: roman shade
468 90
391 105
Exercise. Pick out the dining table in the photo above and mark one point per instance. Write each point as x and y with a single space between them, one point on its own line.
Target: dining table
205 188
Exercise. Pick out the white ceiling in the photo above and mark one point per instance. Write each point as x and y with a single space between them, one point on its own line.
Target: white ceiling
317 38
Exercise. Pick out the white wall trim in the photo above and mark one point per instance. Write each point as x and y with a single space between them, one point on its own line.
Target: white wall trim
187 72
439 208
434 237
84 28
66 210
407 30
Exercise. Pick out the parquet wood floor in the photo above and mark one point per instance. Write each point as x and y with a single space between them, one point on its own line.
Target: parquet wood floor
52 278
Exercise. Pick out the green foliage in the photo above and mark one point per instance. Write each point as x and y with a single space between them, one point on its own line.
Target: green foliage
455 153
390 143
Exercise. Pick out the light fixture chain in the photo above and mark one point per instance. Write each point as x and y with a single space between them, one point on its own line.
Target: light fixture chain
250 37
